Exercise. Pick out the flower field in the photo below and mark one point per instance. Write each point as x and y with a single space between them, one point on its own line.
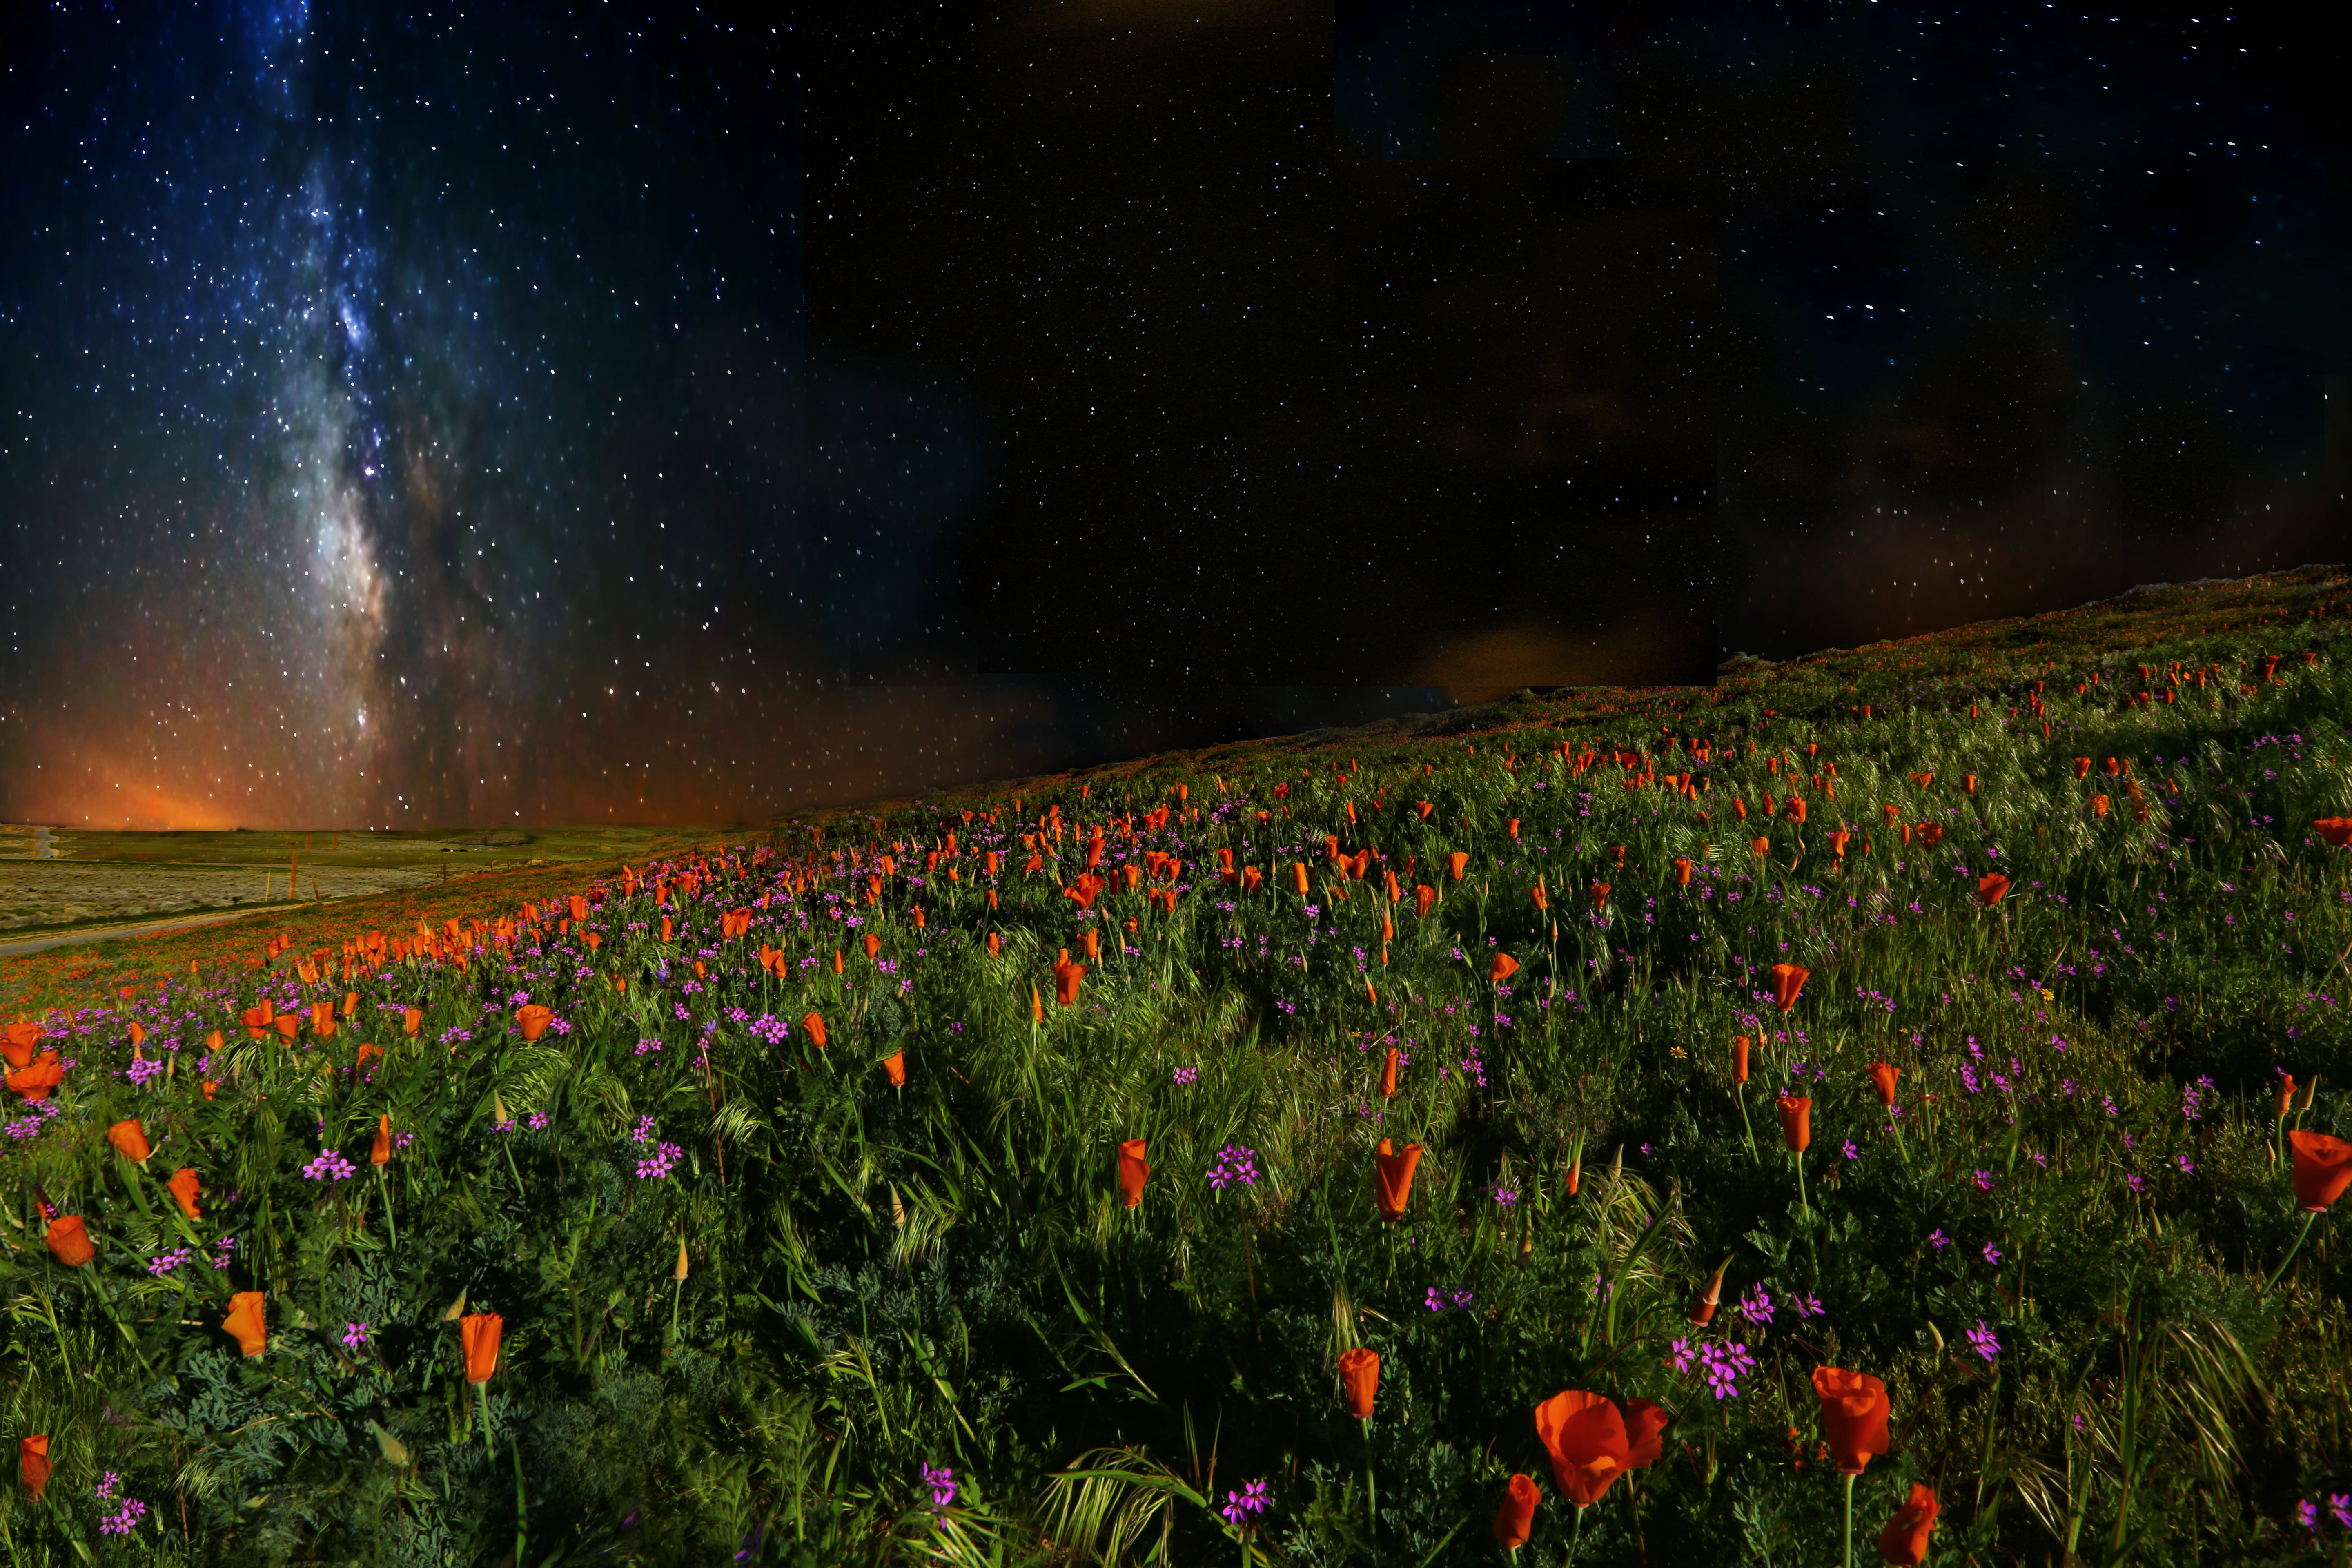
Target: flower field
1885 1107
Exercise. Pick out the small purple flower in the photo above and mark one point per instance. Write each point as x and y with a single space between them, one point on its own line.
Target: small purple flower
355 1334
1757 1306
665 1157
330 1166
1991 1253
2306 1513
1722 1366
1683 1355
1187 1075
942 1483
1236 1166
1852 1153
1981 1338
1984 1181
2340 1505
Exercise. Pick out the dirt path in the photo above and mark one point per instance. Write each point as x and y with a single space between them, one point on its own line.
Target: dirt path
145 928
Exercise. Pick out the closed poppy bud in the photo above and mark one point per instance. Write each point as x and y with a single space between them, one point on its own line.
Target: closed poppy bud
2323 1169
2081 767
1704 1314
138 1033
1787 980
1423 897
1931 834
2286 1093
1298 875
1389 1075
1762 846
33 1463
248 1322
131 1138
1585 1434
1067 978
70 1241
1904 1542
211 1085
1515 1519
184 1187
1990 886
895 1064
1457 863
1542 899
1796 1122
532 1018
2099 806
815 1024
1094 945
836 961
478 1333
1739 1059
1502 968
1036 1006
1882 1076
1969 783
873 944
1392 1181
1134 1170
993 945
381 1154
411 1020
1853 1415
1360 1375
1600 895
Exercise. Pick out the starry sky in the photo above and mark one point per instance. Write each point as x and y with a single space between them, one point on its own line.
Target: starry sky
417 415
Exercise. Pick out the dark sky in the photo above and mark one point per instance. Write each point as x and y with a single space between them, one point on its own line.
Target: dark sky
418 415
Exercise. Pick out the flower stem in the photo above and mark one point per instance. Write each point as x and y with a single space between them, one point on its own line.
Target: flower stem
1801 1202
1849 1519
2309 1215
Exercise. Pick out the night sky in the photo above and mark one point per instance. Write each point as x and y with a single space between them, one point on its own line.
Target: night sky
428 414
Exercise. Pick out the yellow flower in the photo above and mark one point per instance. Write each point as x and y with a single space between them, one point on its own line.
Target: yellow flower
2049 996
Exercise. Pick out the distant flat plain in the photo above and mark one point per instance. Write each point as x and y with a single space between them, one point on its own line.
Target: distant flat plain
94 880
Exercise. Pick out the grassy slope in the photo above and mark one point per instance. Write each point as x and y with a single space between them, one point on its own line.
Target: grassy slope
880 1279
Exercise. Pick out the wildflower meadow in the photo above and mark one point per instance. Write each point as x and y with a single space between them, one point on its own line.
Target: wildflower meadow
1886 1107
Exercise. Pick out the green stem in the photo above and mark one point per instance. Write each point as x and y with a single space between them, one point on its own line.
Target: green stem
2309 1215
1849 1519
1740 1094
514 1446
483 1391
1801 1201
1577 1539
1371 1488
384 1193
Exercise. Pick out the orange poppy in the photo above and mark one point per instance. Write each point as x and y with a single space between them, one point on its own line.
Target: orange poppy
1931 834
19 1043
1969 783
1360 1375
1093 940
2099 806
248 1322
131 1138
381 1154
36 1081
184 1187
1066 976
2335 830
1423 897
1883 1075
1682 872
1796 1122
895 1064
2081 767
1704 1314
1502 968
873 944
1990 886
1787 980
1645 1426
1515 1521
33 1463
815 1024
1457 863
1036 1006
2323 1169
1853 1415
1543 899
138 1033
1904 1542
532 1019
68 1239
1762 846
1389 1075
322 1018
1134 1170
478 1333
1393 1181
1298 875
1739 1059
1585 1434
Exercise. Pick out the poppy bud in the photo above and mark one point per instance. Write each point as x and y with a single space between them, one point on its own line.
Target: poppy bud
1882 1076
1359 1376
131 1138
1704 1314
1515 1521
1389 1075
2323 1169
381 1154
1853 1415
33 1464
815 1024
184 1187
478 1332
1796 1122
1392 1181
70 1241
1134 1170
1739 1059
895 1064
1904 1542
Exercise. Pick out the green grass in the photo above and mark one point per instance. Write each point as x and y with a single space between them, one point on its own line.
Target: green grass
884 1279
